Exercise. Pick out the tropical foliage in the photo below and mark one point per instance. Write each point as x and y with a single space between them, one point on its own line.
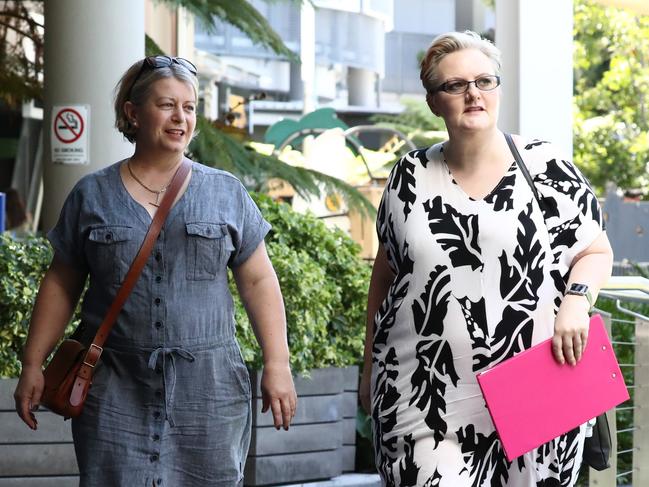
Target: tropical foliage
323 280
216 148
324 283
611 127
240 14
416 121
21 76
22 79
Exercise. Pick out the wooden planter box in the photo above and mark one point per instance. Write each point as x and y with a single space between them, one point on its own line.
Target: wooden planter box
42 458
321 441
319 445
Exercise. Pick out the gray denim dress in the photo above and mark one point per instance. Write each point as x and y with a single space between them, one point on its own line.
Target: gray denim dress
170 402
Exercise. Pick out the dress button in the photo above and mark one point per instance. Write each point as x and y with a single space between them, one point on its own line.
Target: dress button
158 256
157 301
158 393
158 324
109 236
154 458
156 437
156 414
158 370
158 278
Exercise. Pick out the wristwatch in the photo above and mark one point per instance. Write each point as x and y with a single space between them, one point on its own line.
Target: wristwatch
578 289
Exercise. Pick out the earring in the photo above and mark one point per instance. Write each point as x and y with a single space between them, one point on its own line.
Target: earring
134 123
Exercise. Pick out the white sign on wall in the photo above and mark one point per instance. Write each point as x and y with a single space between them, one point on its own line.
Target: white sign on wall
70 127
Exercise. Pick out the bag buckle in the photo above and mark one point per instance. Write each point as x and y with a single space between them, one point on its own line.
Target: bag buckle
99 351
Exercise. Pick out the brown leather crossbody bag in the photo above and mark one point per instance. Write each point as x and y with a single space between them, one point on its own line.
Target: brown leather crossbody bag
68 376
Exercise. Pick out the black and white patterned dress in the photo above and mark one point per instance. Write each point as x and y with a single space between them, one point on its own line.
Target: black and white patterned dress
477 281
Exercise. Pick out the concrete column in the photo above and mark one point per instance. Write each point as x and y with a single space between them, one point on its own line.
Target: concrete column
307 56
470 15
296 86
537 68
223 96
89 45
361 87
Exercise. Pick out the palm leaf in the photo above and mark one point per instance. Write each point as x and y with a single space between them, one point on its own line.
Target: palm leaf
217 149
151 48
240 14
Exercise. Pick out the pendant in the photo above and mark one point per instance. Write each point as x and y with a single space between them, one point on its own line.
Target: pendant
157 198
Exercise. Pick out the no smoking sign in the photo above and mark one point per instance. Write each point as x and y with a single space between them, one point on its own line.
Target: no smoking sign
70 134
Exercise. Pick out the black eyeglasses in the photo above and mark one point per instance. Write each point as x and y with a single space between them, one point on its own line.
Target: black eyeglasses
156 62
461 86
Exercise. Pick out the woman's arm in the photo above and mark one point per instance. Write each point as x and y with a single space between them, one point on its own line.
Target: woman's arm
57 298
382 277
262 298
593 268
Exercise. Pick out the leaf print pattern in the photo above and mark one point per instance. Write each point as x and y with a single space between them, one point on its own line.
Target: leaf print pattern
502 198
384 413
463 299
403 179
434 356
535 143
521 278
475 316
564 235
483 456
386 316
455 232
522 274
434 480
430 310
408 469
513 334
561 457
435 367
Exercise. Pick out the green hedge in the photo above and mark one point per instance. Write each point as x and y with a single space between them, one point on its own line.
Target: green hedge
324 283
22 264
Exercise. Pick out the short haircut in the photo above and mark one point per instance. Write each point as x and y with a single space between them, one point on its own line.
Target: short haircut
448 43
142 89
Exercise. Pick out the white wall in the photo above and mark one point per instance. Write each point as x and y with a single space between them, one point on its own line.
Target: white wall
536 42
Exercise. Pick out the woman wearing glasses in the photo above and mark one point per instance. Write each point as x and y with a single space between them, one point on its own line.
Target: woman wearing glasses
170 402
469 273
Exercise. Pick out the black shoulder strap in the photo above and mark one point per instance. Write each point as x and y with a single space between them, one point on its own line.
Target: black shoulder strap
523 168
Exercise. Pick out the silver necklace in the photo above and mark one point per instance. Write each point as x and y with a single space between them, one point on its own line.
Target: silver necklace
157 193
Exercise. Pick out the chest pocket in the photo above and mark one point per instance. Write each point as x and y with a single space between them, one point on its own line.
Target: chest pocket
110 252
208 245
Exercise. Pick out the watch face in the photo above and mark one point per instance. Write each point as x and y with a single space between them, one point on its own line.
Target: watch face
576 288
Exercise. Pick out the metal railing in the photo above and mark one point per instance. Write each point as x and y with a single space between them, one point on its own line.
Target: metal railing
628 327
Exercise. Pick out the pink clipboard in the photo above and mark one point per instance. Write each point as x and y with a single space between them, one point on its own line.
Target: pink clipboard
533 399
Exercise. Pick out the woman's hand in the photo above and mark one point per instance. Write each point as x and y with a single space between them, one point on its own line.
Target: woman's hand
571 329
364 390
278 393
28 394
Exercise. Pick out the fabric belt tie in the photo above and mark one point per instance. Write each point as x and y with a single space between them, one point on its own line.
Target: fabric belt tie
171 352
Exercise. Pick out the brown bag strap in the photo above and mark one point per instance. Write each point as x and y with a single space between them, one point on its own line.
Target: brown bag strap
95 349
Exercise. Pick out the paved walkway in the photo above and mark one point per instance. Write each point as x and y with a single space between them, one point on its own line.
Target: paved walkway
347 480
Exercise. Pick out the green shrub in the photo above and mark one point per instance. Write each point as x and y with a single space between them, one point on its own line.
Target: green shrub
324 283
323 280
22 265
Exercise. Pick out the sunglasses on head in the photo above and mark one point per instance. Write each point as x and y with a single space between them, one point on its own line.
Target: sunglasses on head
156 62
